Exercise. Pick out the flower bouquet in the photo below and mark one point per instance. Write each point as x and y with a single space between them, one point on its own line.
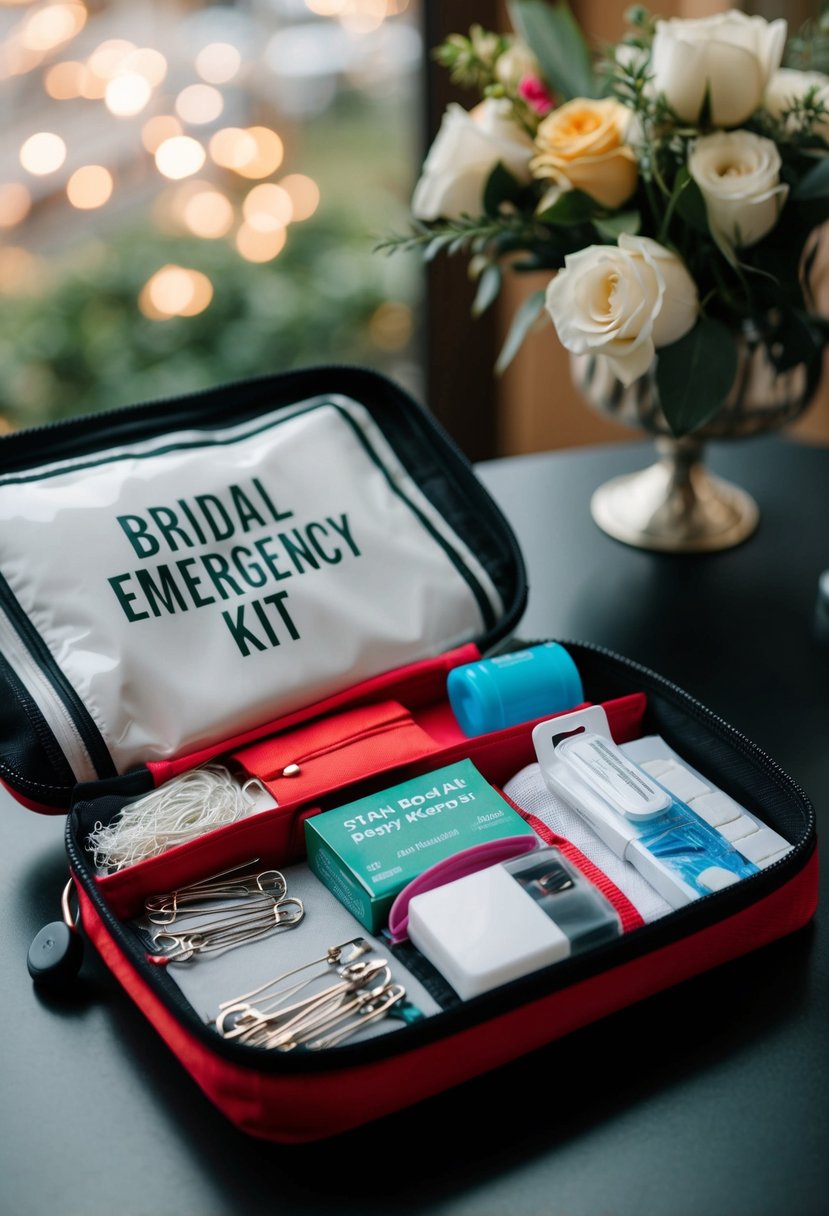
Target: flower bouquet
673 188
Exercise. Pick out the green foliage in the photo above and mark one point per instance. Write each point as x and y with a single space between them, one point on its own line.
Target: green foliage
529 226
81 343
814 184
525 319
489 285
688 203
471 59
501 187
695 375
488 236
554 35
571 207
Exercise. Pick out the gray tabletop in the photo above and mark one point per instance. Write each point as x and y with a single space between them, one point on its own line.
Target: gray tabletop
710 1098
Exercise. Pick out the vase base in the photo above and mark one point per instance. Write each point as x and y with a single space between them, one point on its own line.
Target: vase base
656 508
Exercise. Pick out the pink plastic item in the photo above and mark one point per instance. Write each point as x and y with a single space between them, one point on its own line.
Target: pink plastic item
468 861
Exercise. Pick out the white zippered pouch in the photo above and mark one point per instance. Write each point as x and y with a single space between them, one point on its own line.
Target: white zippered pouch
195 584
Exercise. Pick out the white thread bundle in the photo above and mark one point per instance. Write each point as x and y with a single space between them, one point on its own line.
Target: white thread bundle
181 810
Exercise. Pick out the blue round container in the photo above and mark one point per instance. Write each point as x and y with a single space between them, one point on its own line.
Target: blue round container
515 687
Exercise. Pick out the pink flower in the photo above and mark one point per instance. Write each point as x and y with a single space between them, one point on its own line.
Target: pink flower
536 94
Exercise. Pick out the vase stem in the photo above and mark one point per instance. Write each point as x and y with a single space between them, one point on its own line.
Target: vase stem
676 505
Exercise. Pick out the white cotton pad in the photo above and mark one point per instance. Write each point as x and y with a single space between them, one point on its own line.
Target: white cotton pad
682 783
716 808
715 878
482 930
762 846
737 829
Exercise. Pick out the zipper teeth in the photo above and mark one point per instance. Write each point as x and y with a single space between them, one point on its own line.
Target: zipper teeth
54 712
60 688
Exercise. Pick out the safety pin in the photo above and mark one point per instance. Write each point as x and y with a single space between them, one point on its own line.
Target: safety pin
225 920
332 957
163 909
317 1016
251 1023
326 1019
168 914
393 994
226 934
201 883
323 1018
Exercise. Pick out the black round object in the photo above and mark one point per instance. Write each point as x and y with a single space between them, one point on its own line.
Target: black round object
55 955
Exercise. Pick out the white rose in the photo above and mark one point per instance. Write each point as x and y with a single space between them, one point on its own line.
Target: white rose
730 56
788 86
622 303
739 176
465 151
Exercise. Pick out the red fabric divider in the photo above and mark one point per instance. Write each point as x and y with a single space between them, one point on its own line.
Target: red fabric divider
266 837
629 916
404 683
304 1106
329 752
275 835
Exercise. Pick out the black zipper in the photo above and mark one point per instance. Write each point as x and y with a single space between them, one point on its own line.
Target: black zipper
60 686
701 914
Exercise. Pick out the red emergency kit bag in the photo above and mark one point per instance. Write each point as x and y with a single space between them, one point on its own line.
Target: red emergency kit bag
239 610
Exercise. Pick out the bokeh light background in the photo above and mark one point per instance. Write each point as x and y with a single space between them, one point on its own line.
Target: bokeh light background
191 193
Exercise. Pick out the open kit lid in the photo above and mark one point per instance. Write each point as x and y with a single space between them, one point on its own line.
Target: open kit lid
174 573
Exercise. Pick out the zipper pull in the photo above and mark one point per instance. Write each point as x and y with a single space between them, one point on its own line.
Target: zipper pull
55 955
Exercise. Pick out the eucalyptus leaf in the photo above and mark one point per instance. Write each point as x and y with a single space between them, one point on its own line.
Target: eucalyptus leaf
695 374
489 284
523 321
559 45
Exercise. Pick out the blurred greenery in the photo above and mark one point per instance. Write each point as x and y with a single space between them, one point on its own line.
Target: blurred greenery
74 340
82 344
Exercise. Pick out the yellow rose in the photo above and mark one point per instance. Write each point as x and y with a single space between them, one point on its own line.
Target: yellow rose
581 146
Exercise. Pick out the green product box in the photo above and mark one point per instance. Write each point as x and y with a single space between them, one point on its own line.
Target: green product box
367 851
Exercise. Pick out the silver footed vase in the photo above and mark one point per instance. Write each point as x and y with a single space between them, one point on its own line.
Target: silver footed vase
676 505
